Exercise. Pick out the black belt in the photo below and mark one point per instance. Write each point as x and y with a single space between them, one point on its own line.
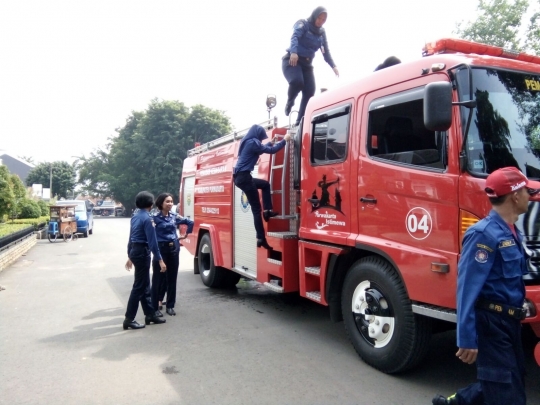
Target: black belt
502 309
161 244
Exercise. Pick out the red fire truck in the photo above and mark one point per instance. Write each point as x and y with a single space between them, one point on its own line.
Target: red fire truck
375 191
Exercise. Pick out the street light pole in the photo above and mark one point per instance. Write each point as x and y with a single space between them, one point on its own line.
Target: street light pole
50 182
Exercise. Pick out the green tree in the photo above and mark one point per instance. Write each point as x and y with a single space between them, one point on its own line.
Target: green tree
44 207
19 194
29 209
93 173
6 192
500 23
149 150
532 43
63 177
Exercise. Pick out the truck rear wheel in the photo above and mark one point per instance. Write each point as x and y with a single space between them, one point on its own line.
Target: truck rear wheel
378 317
211 275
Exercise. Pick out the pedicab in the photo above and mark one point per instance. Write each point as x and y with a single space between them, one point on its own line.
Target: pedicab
63 223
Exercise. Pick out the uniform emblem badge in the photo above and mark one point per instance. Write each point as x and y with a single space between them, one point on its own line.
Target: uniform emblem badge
481 256
507 243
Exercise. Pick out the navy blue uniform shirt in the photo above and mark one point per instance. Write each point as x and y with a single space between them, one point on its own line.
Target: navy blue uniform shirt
491 267
305 42
142 231
251 148
166 226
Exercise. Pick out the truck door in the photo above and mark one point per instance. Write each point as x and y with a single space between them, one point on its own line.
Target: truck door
408 193
327 189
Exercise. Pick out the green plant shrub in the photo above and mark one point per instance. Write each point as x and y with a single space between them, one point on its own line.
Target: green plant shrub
44 207
29 209
7 229
37 223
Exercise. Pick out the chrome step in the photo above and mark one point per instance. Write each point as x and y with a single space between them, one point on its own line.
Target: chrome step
277 167
314 270
314 295
283 235
274 261
273 287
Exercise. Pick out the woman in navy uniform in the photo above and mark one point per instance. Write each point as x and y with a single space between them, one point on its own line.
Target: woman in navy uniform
250 149
308 37
491 294
167 223
142 241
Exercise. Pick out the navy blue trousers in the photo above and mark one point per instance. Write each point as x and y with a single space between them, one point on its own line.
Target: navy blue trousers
300 79
140 292
245 182
170 255
500 363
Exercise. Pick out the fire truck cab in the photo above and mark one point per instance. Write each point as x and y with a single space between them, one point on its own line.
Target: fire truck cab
375 193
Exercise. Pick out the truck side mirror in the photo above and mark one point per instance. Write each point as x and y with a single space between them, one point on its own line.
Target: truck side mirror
438 106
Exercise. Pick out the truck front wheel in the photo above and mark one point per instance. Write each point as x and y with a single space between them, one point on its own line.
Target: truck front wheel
211 275
378 317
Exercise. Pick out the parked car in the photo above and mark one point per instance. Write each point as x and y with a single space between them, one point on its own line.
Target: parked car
83 212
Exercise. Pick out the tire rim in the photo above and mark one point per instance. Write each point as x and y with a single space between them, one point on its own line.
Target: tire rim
372 314
205 256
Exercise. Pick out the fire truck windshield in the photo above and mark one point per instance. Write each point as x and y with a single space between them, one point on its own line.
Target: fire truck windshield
505 125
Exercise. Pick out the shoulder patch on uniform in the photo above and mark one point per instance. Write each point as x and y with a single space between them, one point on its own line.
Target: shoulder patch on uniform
485 247
481 256
507 243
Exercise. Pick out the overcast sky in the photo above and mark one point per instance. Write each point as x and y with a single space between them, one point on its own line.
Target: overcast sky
72 71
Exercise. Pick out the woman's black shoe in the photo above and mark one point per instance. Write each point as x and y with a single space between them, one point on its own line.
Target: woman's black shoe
132 323
148 319
269 214
159 313
263 243
171 311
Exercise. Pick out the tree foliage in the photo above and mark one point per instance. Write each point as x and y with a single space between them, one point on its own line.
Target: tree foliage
503 23
63 177
6 192
29 209
149 151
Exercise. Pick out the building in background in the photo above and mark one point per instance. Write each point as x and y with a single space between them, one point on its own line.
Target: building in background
15 165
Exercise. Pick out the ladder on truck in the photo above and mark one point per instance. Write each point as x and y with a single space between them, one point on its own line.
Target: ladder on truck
284 173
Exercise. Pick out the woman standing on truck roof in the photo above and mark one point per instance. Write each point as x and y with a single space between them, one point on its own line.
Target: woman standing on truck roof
142 241
308 36
167 223
250 149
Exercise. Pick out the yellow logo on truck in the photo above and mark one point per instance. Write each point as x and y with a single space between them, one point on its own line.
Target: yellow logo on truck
533 85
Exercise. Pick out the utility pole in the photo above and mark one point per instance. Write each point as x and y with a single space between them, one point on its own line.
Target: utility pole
50 183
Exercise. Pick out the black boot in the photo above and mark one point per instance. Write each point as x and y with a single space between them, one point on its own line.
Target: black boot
263 243
171 311
148 319
131 323
440 400
159 313
269 214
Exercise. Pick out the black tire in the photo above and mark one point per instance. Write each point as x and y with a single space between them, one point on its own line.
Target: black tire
211 275
85 234
231 279
91 231
52 238
393 339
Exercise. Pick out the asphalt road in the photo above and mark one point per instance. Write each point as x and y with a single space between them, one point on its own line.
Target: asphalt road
62 341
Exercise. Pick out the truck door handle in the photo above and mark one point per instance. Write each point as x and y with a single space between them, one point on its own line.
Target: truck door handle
314 200
368 200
